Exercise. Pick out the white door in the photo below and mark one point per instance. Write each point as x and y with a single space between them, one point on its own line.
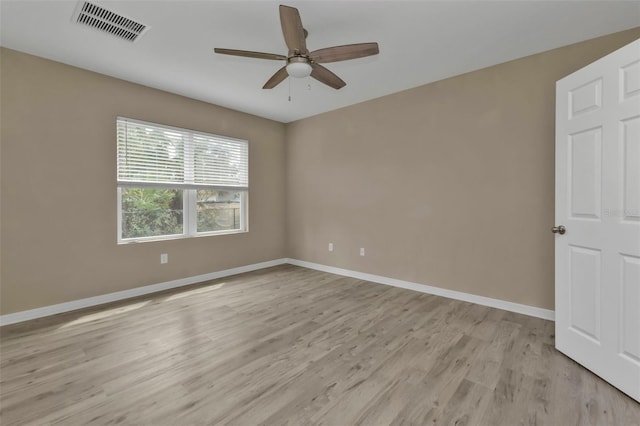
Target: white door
598 203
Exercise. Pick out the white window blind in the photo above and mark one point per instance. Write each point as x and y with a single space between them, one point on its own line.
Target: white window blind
155 155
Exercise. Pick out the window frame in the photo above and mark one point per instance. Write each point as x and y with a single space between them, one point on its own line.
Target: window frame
189 194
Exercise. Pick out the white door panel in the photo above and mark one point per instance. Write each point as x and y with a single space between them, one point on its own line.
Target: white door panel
629 312
585 162
598 201
631 172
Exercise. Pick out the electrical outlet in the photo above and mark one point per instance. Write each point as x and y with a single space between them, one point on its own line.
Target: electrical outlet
164 258
330 246
361 251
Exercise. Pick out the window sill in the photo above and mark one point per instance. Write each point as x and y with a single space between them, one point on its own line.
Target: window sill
178 237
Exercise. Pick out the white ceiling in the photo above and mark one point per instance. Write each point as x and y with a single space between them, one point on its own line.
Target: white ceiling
420 42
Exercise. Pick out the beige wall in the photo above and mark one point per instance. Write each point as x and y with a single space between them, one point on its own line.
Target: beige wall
59 194
449 184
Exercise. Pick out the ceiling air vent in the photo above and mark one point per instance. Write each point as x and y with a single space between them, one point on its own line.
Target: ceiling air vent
104 20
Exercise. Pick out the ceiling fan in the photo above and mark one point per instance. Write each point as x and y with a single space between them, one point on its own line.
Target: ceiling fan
301 62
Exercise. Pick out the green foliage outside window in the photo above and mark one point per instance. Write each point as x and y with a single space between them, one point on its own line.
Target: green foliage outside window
149 212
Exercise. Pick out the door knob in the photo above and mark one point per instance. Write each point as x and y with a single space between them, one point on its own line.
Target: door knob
559 230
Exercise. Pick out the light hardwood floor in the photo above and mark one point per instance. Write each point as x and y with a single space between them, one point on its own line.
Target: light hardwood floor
288 345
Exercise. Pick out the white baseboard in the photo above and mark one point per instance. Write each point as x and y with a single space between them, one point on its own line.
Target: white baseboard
141 291
423 288
127 294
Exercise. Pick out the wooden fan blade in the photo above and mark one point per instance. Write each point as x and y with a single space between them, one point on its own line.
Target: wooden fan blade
250 54
325 76
276 79
292 30
343 53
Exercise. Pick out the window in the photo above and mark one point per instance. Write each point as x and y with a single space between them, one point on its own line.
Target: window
175 183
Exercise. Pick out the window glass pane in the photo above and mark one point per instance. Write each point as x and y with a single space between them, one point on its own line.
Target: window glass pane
148 212
218 210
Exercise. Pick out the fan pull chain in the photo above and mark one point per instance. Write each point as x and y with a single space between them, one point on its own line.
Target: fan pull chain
289 88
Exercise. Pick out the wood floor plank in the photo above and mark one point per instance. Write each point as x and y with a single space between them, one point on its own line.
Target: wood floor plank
288 345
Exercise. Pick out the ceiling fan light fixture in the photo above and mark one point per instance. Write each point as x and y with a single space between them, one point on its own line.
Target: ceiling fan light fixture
298 68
